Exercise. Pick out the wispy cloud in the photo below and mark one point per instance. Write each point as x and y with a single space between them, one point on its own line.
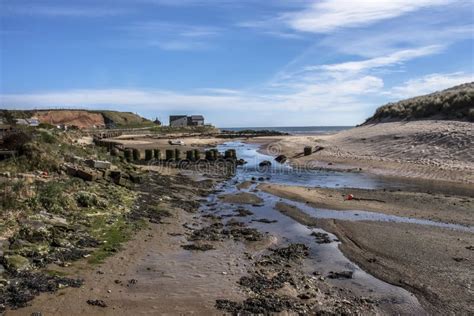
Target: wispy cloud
394 58
172 36
63 11
429 83
329 15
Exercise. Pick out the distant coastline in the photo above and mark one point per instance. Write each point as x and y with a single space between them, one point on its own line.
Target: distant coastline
294 130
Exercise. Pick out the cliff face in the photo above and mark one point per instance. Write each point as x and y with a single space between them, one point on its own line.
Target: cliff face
456 103
81 119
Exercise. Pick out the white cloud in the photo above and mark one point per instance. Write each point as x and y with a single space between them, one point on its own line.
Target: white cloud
429 83
382 61
329 15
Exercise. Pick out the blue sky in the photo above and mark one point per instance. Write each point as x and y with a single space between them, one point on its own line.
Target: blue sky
240 63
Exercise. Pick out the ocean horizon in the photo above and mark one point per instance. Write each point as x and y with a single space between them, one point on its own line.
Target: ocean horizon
293 130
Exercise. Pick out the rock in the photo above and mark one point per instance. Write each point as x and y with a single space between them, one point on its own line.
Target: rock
341 275
265 220
265 163
99 303
2 269
34 231
242 212
281 159
321 238
135 178
17 263
87 175
304 296
98 164
203 247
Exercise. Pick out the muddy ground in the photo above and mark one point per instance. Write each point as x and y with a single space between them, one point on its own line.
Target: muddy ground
433 263
188 261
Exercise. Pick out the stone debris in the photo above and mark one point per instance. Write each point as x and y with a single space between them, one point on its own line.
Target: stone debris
321 238
265 163
99 303
281 159
198 247
24 286
340 275
98 164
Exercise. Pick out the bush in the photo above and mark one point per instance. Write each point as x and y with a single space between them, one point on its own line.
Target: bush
86 199
51 197
16 141
47 137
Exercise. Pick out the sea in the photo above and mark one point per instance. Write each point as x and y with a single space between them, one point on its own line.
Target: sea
294 130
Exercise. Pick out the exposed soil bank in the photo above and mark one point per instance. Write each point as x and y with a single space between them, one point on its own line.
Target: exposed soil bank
433 263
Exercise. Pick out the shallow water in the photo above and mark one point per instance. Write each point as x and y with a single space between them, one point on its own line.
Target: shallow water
288 175
323 257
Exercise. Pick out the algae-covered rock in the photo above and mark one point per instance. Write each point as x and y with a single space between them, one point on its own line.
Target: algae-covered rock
136 178
34 231
17 263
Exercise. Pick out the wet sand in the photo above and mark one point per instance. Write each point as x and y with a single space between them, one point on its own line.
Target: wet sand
437 207
433 263
152 275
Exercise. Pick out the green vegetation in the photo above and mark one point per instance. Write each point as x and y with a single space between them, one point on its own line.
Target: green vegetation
113 236
456 103
73 217
125 119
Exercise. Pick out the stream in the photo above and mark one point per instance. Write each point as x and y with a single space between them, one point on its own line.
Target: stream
325 257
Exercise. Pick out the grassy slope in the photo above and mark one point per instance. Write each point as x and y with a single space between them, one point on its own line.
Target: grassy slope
456 103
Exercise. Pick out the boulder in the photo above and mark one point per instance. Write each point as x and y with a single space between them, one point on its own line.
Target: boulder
135 177
281 159
87 175
34 231
101 164
265 163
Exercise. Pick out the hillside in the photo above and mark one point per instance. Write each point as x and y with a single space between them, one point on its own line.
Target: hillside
80 118
456 103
